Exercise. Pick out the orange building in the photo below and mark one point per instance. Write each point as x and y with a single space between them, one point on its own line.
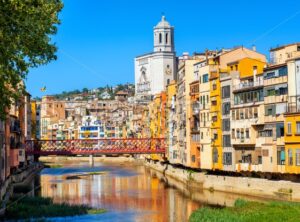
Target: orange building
194 125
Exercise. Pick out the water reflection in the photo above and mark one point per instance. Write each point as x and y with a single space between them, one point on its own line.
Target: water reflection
129 192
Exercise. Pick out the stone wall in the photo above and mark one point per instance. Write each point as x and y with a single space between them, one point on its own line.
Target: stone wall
280 190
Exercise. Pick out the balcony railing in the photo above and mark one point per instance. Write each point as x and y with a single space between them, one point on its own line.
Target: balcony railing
293 104
248 85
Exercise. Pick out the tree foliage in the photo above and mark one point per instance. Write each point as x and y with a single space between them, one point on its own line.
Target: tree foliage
26 27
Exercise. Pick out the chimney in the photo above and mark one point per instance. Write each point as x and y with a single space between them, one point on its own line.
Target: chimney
254 48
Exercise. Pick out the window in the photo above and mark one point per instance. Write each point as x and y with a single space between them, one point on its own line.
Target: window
238 135
290 155
215 136
270 92
233 114
237 114
242 114
214 118
282 71
270 110
269 75
247 133
226 108
248 97
268 133
233 133
193 158
226 141
259 159
166 38
160 38
289 128
205 78
214 86
298 127
226 124
298 48
280 156
279 130
227 158
246 113
246 158
282 91
255 112
297 157
242 134
250 113
225 92
215 155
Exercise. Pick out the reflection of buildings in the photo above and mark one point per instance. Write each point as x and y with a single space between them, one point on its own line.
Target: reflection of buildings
143 192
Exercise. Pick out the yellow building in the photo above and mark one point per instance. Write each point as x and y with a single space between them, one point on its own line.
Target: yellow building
172 152
243 63
157 111
292 142
292 118
215 112
35 119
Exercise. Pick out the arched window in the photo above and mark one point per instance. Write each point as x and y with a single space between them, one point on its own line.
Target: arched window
160 38
166 38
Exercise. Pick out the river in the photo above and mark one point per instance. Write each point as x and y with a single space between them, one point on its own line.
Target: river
128 191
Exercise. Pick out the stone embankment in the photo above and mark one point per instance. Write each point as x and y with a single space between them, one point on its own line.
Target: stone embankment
262 188
19 178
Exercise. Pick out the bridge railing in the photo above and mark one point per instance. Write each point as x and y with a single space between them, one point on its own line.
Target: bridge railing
81 146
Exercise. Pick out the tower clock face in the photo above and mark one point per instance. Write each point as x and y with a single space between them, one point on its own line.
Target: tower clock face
168 70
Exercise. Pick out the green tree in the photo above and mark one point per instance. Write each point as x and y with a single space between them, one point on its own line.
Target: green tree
85 90
26 27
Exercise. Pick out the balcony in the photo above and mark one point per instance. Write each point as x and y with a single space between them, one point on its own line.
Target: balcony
15 127
248 167
293 105
196 108
195 130
276 80
143 87
275 99
248 85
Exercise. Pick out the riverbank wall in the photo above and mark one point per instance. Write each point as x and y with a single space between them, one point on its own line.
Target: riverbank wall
256 187
19 178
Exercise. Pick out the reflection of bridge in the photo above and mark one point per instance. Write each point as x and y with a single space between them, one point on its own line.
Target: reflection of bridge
95 146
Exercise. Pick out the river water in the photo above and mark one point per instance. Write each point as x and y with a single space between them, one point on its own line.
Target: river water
128 191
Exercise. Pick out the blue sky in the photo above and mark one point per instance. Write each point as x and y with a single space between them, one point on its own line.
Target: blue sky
98 39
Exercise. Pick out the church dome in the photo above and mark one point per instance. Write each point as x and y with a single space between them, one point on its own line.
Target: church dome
163 23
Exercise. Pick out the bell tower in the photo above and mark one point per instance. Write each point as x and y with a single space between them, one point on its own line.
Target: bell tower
163 36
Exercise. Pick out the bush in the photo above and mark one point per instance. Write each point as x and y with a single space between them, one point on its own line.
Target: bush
40 207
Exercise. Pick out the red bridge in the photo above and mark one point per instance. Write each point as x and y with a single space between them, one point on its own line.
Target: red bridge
95 146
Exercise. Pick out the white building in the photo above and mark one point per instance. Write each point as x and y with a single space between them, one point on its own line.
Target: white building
153 71
91 128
